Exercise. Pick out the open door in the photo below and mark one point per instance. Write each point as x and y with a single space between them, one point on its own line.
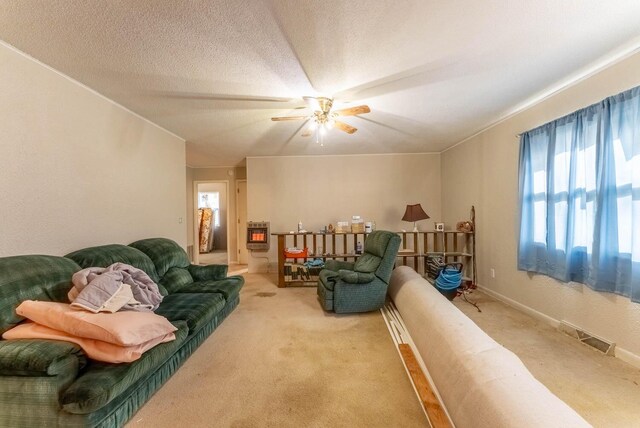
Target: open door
241 210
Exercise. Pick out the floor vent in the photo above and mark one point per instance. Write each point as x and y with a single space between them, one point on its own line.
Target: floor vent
588 338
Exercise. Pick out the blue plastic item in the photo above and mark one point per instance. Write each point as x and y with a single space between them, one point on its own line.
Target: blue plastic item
449 279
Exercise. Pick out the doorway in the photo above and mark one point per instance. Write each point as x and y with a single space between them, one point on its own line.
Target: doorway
211 226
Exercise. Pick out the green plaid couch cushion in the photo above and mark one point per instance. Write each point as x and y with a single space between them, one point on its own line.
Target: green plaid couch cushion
31 357
229 287
106 255
175 279
164 253
197 309
102 382
205 273
32 278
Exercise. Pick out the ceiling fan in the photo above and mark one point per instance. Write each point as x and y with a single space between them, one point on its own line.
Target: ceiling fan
323 118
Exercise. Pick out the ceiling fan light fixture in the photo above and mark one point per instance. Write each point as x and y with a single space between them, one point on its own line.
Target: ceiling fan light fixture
323 119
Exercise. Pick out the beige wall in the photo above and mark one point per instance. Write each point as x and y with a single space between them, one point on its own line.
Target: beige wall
216 174
484 171
319 190
78 170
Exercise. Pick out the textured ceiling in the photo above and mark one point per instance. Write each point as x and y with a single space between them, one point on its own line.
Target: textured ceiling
214 72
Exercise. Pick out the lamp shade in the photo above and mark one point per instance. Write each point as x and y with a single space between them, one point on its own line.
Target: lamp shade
414 213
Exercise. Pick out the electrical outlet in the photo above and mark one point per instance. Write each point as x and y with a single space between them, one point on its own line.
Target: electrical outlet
493 273
179 220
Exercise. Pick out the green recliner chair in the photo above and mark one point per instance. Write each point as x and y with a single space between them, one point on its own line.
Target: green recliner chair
346 287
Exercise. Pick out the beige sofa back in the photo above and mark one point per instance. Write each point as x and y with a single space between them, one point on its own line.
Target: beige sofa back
482 384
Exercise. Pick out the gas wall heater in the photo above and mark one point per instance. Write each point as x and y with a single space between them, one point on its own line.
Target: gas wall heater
258 235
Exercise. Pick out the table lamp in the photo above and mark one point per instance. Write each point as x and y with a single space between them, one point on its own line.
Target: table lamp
414 213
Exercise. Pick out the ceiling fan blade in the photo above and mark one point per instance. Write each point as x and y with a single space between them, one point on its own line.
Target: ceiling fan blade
312 103
344 127
276 119
352 111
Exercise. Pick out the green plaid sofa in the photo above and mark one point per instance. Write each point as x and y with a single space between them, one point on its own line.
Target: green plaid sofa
46 383
346 287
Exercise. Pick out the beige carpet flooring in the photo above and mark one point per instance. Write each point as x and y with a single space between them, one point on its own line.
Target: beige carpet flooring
215 257
219 257
603 389
280 361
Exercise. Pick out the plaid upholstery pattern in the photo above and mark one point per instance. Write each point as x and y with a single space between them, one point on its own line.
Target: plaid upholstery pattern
101 382
175 279
106 255
32 401
29 357
164 253
39 376
196 309
229 287
32 278
204 273
118 411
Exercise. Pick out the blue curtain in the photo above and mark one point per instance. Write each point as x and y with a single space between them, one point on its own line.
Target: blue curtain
580 197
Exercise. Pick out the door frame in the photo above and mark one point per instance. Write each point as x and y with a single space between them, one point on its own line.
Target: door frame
238 218
196 238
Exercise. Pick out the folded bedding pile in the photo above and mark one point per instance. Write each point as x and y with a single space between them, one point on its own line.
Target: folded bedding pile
120 337
112 337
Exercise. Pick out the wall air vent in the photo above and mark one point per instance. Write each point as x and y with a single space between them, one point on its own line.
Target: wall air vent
587 338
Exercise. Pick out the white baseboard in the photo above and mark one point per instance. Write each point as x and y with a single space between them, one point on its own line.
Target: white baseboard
627 357
523 308
621 353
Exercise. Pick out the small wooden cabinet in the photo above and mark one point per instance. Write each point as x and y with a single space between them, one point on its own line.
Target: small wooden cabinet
452 245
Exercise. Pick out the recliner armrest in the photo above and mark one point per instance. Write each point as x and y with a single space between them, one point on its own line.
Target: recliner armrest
353 277
203 273
336 265
38 357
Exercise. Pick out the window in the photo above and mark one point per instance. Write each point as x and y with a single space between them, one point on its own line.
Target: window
580 197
